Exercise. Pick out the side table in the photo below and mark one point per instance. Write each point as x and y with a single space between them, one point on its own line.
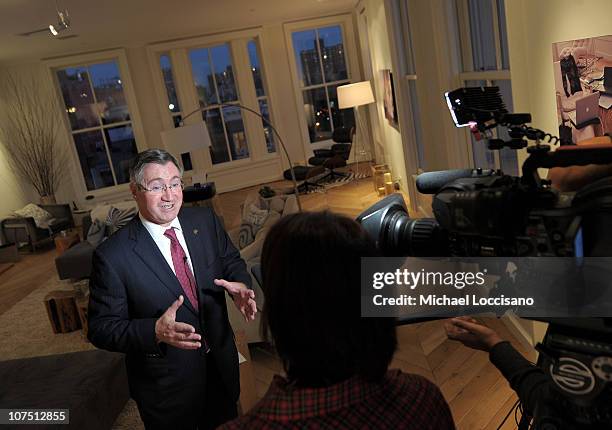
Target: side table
65 240
78 216
62 310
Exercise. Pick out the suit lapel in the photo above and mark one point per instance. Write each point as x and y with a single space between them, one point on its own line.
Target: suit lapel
146 248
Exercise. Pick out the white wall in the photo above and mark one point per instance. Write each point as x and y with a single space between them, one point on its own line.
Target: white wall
386 136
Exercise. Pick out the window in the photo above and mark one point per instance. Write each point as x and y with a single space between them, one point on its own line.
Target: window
321 64
408 69
484 53
173 103
213 76
100 122
262 99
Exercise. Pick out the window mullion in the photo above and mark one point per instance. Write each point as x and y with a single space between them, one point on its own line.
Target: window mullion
320 55
221 115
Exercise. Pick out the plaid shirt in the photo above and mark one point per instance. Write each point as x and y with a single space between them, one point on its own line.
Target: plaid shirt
399 401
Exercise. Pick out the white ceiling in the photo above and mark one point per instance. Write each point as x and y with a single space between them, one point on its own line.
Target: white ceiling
105 24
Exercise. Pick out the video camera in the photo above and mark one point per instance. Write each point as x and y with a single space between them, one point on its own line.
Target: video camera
485 213
481 212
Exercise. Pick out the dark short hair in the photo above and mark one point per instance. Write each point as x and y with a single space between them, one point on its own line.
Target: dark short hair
154 155
311 282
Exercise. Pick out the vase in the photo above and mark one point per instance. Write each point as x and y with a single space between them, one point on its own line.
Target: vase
48 199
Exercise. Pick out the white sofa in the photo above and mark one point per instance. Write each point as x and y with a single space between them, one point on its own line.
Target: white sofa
278 207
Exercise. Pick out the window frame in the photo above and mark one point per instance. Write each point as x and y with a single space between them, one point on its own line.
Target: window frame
80 60
465 46
353 72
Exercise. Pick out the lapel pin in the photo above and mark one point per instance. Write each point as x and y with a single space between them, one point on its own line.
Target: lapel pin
195 231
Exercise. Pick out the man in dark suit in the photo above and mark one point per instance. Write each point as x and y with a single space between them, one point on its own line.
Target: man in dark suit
157 294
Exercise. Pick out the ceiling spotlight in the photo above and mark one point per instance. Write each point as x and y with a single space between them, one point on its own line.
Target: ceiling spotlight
63 23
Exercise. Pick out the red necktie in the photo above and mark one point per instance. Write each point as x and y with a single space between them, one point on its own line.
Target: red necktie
181 268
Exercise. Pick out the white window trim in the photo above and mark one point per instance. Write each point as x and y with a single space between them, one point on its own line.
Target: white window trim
346 23
120 56
477 75
183 81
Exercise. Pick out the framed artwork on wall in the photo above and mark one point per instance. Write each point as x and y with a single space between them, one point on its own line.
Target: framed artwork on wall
389 99
583 83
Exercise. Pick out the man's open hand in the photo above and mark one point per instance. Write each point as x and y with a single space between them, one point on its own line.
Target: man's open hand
177 334
244 298
472 334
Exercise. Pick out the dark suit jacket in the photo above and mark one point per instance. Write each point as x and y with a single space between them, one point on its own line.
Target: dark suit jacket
132 286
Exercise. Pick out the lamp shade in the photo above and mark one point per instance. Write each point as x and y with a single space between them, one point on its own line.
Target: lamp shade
186 138
356 94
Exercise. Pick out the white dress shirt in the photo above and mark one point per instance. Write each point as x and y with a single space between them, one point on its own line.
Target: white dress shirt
163 243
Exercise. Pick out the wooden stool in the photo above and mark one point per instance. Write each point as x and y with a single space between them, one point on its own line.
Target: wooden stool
82 306
62 243
62 310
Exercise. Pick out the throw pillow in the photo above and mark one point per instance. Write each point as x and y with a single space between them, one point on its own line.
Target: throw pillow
254 219
39 214
96 233
117 218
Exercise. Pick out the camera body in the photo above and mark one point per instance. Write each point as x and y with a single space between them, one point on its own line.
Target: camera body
484 213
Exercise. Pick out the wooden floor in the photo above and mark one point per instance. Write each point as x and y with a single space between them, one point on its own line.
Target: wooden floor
478 395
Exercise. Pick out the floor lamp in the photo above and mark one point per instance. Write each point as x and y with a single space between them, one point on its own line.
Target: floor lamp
195 141
353 96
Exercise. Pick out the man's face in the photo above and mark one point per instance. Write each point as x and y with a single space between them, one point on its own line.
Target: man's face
160 208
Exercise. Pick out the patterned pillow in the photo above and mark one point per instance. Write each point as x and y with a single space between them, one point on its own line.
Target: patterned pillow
254 219
97 232
117 218
39 214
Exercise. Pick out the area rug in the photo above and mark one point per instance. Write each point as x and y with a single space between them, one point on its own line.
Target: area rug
25 331
336 182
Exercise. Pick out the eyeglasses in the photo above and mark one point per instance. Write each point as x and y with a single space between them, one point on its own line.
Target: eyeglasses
159 189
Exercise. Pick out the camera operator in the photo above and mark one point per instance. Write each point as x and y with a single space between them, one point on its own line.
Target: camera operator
573 178
527 380
336 362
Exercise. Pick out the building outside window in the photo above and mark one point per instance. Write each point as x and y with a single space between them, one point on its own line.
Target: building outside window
100 122
321 63
213 76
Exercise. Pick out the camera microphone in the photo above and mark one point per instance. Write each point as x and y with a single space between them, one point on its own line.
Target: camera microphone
431 182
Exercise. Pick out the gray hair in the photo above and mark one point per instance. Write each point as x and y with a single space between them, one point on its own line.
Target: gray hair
154 155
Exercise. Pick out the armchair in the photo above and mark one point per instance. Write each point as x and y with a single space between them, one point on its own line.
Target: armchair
19 229
337 156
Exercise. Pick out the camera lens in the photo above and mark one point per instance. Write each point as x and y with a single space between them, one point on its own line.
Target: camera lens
402 235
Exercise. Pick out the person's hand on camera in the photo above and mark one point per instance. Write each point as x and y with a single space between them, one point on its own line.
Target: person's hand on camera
472 334
172 332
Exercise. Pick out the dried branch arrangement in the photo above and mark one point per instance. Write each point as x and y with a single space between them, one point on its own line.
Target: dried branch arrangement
29 127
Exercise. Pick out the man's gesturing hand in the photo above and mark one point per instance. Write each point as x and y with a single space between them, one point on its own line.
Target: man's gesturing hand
244 298
177 334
